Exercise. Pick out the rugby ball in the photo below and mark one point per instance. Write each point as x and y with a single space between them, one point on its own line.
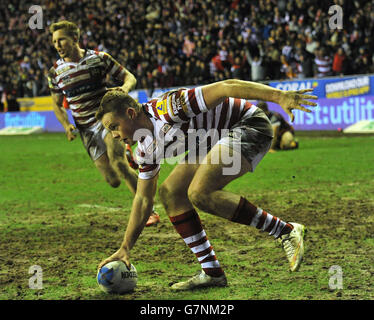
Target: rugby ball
115 277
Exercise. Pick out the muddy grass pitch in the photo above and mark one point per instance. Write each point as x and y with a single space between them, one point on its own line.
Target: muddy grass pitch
56 212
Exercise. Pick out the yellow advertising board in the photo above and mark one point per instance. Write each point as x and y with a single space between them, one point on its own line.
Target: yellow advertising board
36 104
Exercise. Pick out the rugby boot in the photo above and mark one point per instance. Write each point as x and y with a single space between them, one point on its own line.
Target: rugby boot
293 245
201 280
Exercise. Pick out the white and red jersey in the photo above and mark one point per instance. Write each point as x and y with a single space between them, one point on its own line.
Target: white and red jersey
324 65
175 115
83 83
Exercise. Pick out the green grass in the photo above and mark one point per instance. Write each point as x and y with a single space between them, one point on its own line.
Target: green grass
56 211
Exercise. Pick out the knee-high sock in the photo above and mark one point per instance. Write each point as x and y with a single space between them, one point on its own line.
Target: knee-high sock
250 215
188 225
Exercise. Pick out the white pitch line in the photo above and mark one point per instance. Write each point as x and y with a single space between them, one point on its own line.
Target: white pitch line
95 206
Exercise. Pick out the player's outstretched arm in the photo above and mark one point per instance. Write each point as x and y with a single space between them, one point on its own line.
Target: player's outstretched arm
217 92
142 208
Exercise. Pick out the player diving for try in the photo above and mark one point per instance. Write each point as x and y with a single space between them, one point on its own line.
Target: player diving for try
80 76
284 133
199 184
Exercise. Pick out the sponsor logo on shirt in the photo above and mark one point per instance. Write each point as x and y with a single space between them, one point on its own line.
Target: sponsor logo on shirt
161 107
165 128
62 70
66 80
93 60
179 104
82 89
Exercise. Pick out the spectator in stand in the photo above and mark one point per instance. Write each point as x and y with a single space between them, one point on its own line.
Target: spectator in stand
178 76
11 100
338 62
323 63
188 46
236 69
311 44
362 62
293 24
223 55
273 64
290 73
305 66
257 68
287 50
139 31
346 46
286 68
334 40
216 64
267 28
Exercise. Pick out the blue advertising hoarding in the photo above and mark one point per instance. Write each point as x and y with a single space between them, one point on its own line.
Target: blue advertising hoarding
45 119
332 114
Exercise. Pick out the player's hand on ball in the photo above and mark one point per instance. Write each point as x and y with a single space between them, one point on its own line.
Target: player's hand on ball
71 132
290 100
121 254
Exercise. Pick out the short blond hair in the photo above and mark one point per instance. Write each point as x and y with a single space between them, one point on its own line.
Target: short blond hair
116 101
70 28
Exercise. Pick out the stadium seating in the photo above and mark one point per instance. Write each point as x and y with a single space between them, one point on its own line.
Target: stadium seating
175 43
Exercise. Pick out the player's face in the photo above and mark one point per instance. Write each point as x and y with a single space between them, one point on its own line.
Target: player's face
63 43
122 128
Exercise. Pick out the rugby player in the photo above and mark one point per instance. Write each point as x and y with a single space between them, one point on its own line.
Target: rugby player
284 133
80 76
171 119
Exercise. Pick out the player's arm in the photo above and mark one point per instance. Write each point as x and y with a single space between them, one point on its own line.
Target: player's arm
62 116
129 81
142 208
217 92
117 71
248 56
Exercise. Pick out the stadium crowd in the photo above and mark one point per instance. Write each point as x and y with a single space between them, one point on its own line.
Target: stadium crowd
170 43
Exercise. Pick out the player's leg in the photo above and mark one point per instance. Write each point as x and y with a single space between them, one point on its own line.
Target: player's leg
97 150
106 170
229 159
173 191
287 141
118 161
186 221
206 193
206 189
